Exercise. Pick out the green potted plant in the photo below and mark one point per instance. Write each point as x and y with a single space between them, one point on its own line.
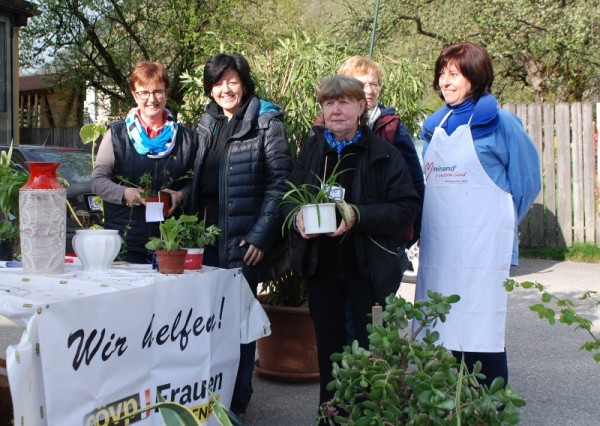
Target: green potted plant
149 191
12 178
402 380
317 202
197 238
169 246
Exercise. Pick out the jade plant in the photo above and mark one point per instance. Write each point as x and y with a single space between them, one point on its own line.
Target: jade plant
402 380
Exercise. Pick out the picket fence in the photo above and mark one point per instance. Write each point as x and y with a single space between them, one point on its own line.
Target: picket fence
566 138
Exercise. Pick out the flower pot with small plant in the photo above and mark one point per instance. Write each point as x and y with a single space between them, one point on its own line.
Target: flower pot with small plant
149 193
317 202
198 237
169 246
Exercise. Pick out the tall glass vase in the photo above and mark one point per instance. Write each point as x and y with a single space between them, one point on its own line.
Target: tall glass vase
43 220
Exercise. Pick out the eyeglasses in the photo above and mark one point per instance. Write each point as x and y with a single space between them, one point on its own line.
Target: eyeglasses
158 94
373 85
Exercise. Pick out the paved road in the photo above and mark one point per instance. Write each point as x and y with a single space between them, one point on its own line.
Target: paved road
559 382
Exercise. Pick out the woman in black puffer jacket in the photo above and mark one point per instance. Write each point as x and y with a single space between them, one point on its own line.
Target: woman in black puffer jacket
241 167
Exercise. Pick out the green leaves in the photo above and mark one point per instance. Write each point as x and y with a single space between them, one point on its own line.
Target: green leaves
400 380
566 310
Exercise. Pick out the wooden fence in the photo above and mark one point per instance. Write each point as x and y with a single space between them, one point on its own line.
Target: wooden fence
565 136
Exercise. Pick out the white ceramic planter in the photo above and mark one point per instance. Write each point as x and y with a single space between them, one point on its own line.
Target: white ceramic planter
319 220
96 248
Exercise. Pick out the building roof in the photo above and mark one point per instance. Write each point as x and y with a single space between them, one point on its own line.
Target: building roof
20 9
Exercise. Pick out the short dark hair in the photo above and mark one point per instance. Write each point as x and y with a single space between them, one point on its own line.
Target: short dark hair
474 63
218 64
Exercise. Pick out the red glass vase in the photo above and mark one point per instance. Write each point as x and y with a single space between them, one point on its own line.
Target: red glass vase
43 220
42 175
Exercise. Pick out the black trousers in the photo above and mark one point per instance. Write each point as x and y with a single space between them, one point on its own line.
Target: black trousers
327 304
493 364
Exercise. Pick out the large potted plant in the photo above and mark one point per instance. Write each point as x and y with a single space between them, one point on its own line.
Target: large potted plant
402 380
169 246
12 178
290 352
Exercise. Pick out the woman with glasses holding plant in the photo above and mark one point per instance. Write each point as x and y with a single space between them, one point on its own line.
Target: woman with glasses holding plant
361 261
147 142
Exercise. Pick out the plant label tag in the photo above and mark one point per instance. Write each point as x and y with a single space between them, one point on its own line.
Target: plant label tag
154 212
336 193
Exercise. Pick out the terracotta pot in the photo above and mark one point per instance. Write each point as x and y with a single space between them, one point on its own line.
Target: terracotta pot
171 262
194 258
290 352
164 198
43 220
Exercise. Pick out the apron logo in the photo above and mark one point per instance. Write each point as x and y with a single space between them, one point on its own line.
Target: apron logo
428 169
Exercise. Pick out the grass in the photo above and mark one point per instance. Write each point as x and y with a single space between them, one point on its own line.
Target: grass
580 252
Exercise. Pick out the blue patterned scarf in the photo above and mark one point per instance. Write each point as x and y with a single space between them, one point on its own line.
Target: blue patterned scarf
160 146
339 145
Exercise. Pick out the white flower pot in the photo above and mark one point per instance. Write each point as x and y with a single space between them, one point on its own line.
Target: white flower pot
321 220
96 248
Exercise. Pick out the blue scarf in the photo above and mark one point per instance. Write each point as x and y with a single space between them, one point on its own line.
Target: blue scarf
483 114
339 145
160 146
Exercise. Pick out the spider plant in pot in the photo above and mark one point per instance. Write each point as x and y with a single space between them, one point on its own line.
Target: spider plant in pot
169 246
317 202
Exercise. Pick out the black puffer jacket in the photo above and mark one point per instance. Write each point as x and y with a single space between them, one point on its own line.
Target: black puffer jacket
387 202
253 170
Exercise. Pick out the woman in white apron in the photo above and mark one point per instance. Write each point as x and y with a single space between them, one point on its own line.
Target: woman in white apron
482 174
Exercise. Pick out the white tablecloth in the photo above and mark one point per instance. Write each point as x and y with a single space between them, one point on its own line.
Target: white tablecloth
25 298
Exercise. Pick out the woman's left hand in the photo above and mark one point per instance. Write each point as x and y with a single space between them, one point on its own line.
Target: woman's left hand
176 200
253 255
348 219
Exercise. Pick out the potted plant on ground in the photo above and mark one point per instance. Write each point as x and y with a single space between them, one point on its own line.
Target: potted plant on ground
12 178
169 246
290 352
197 238
402 380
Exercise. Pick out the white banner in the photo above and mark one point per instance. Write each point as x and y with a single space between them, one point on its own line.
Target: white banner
106 355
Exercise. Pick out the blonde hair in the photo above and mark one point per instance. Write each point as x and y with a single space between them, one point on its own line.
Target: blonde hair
360 65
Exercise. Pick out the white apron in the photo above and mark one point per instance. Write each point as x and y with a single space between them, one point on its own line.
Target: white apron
466 243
